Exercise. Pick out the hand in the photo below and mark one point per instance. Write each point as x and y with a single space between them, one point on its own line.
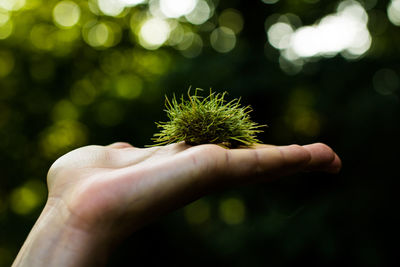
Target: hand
98 195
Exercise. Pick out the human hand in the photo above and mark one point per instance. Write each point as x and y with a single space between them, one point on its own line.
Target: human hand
98 195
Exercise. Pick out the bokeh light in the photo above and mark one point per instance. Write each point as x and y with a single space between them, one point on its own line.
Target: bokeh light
232 19
232 210
197 212
344 32
131 3
43 36
26 198
154 33
191 45
176 34
4 16
98 35
6 29
111 7
279 35
102 34
223 39
177 8
12 5
66 14
393 12
62 136
200 14
151 64
128 86
64 110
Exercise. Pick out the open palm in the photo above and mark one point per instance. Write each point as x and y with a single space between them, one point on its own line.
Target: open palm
122 187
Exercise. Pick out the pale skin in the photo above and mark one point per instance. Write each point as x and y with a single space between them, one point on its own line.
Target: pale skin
98 195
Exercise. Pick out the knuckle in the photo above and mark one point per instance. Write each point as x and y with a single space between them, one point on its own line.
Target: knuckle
258 166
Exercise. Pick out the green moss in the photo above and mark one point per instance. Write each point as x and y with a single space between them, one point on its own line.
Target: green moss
207 120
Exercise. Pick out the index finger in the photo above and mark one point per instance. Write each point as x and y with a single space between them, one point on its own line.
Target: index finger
268 162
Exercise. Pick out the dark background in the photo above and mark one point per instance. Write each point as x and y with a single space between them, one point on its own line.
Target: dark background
59 92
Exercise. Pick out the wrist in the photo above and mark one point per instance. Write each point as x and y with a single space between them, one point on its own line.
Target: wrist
56 241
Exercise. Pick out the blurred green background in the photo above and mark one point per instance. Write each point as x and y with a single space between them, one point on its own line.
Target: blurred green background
79 72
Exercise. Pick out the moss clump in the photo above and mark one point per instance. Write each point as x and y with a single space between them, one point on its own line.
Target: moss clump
207 120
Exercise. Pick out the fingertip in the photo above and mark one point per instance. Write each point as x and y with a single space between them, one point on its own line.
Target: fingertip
335 166
321 154
323 158
118 145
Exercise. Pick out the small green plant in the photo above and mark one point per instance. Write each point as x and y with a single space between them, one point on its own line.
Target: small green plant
207 120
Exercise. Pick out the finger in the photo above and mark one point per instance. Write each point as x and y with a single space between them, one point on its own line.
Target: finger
267 162
120 145
323 158
335 166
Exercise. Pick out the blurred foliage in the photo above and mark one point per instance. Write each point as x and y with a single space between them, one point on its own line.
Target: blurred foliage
79 72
